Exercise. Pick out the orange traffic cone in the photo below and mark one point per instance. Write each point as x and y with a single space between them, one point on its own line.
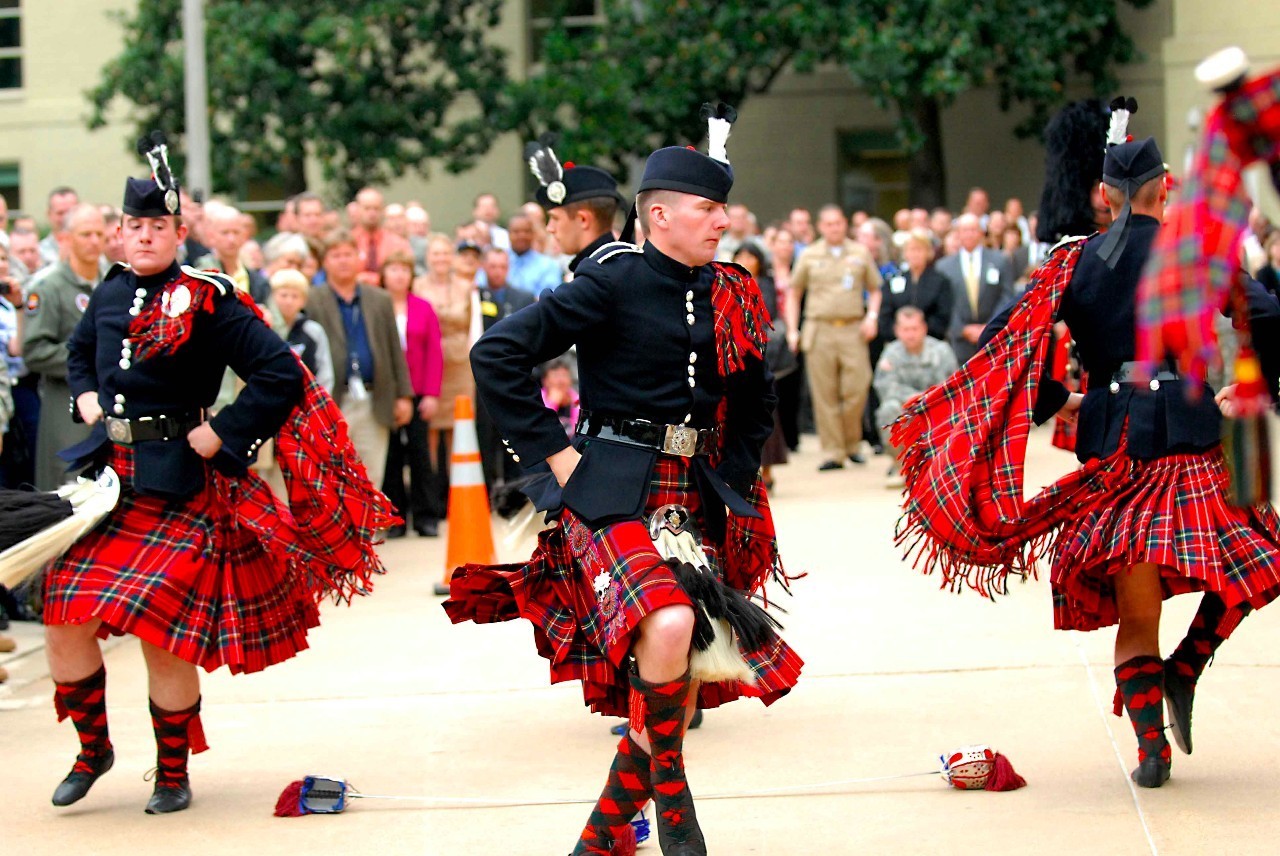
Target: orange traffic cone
470 527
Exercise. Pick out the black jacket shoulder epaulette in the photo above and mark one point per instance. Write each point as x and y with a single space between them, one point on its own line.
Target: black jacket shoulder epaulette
222 281
1065 240
115 270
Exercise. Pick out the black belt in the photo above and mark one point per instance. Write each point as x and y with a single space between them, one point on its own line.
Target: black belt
683 440
129 431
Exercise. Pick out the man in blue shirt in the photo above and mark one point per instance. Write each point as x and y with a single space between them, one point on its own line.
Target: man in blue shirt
531 270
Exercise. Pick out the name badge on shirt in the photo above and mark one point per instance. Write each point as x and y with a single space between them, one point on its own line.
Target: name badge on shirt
847 282
898 284
993 276
489 309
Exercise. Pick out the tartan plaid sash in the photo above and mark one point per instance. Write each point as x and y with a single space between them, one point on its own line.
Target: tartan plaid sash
741 329
1195 256
965 441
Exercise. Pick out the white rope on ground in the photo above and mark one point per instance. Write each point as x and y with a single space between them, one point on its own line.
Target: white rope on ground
806 790
1103 706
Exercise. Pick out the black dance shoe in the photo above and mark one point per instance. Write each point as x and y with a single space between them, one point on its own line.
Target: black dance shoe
77 784
397 532
1179 693
1151 773
858 458
169 798
830 465
427 528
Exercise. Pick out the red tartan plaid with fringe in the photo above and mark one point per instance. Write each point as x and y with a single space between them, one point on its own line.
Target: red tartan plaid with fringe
1172 512
233 575
964 442
965 515
184 577
586 591
1196 254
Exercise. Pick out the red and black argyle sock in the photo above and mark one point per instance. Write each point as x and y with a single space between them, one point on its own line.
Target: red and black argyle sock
664 723
177 733
1197 648
85 701
626 790
1140 682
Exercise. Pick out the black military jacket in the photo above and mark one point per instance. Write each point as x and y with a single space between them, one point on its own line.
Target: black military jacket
182 383
643 325
1098 307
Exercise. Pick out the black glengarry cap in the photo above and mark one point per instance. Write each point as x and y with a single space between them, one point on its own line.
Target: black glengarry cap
1127 166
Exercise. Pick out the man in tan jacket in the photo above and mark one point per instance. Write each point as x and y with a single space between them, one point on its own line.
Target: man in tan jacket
371 376
843 283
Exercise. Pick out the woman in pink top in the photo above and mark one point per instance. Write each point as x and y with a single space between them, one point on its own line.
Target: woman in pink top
420 337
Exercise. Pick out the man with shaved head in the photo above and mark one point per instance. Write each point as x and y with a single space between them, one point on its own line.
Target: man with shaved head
54 306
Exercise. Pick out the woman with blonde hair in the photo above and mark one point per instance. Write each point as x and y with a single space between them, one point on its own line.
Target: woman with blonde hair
452 297
917 284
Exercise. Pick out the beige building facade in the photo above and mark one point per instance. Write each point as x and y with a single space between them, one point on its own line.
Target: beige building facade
813 139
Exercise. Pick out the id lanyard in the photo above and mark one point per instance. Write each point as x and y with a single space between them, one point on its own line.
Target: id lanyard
356 389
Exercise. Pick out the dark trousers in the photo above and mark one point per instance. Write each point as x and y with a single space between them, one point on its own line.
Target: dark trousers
18 460
870 430
789 389
408 447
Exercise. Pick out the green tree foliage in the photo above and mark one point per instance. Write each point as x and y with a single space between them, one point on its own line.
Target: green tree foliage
371 88
637 81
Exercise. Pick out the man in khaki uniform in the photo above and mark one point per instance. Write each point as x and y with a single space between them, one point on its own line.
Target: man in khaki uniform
58 297
838 323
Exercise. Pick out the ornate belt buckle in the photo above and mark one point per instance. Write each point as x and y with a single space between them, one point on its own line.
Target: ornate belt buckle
119 430
681 440
674 518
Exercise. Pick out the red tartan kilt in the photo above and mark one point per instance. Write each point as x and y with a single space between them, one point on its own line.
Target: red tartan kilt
1171 512
185 577
585 592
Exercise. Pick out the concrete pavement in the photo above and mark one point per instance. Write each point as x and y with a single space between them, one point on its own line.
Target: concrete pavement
398 701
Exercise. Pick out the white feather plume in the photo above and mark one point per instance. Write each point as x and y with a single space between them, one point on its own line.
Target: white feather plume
717 137
1121 109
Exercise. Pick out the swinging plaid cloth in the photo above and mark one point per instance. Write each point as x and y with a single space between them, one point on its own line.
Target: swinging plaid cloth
1193 261
232 575
586 590
966 516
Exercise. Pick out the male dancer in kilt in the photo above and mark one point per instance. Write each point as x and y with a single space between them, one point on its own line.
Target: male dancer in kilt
1145 517
199 560
676 404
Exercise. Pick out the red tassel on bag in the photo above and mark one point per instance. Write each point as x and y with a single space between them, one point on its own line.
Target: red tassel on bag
625 843
1003 777
290 802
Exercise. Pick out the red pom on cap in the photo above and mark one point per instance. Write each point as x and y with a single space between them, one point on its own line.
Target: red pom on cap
568 164
691 148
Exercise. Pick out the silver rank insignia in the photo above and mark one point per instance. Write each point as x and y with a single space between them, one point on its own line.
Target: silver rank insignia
556 192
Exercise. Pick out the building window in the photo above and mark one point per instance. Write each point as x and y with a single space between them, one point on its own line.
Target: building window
873 172
11 186
580 17
10 44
